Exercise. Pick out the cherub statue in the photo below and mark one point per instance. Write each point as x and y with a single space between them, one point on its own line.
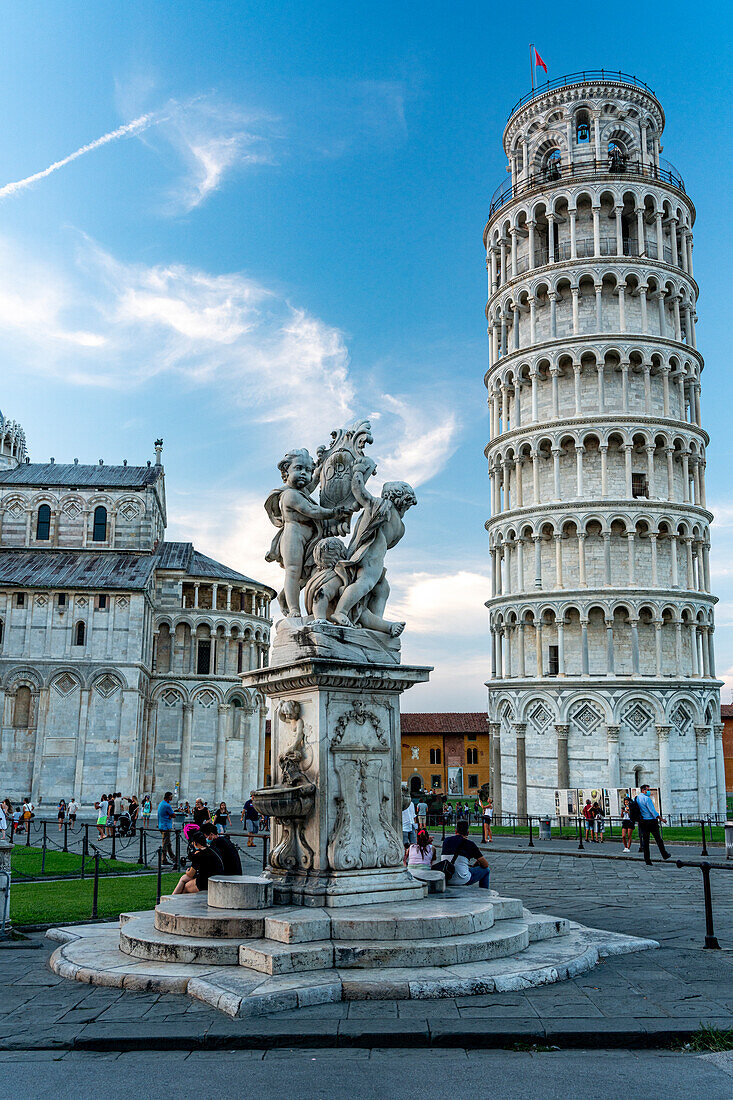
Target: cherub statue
291 761
299 520
323 589
378 528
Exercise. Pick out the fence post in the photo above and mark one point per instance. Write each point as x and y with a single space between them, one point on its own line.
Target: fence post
114 841
28 833
142 836
66 836
580 836
43 850
85 842
159 885
95 891
704 851
531 842
711 940
178 848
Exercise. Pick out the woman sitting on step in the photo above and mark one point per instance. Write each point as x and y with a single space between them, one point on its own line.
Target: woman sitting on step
205 862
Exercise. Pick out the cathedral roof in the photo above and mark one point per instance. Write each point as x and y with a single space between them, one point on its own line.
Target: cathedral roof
76 569
73 475
181 555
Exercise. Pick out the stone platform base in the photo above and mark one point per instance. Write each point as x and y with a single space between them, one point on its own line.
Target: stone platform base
257 961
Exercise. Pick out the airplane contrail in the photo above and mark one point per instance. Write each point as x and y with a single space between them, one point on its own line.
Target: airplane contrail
135 127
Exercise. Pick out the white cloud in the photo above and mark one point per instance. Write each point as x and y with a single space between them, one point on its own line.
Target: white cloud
214 138
111 324
233 529
442 603
425 438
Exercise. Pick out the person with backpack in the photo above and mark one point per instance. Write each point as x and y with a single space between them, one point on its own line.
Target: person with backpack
457 868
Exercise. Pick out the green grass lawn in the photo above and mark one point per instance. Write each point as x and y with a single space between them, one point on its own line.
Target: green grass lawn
26 862
59 902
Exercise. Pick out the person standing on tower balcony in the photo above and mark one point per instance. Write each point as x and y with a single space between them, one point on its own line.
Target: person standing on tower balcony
649 824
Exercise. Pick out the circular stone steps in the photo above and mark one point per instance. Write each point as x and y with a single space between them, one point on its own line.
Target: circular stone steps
192 916
141 939
431 919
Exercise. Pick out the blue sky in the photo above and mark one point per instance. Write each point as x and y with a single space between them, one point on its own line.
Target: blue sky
289 234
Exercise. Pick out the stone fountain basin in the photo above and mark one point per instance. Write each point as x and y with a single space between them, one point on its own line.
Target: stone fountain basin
285 803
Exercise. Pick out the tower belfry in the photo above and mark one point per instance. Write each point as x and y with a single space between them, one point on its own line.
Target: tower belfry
601 615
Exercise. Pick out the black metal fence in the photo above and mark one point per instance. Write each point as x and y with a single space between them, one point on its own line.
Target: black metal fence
586 169
131 852
584 77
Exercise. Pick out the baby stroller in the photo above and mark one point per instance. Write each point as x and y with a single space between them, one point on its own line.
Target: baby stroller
124 825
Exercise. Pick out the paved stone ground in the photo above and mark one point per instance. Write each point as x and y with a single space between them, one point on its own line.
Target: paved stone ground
625 1001
369 1074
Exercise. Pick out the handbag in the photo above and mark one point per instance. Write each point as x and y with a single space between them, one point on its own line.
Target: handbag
447 866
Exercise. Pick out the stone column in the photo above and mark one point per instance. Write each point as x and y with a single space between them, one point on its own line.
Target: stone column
84 701
614 762
186 749
129 723
703 771
42 702
563 763
665 783
720 768
496 768
520 729
221 748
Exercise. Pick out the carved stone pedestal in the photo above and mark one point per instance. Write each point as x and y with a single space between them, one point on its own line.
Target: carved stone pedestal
336 728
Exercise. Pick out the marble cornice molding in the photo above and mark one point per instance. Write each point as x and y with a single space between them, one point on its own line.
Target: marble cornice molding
592 264
598 343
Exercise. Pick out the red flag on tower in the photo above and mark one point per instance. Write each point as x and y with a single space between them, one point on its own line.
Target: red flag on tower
538 60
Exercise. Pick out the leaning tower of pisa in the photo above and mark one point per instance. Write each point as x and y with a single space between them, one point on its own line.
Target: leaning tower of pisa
601 615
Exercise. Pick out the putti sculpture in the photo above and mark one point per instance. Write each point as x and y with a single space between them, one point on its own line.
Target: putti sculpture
335 678
344 585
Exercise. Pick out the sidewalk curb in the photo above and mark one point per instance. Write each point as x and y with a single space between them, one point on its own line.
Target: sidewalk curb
629 1033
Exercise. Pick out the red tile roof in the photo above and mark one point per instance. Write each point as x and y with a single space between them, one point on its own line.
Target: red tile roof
726 710
445 722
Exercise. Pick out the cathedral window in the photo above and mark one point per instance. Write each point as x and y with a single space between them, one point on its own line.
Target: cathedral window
80 633
99 531
554 660
20 599
102 602
61 599
240 656
22 708
43 523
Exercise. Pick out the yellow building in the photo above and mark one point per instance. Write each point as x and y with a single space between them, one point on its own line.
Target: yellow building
446 752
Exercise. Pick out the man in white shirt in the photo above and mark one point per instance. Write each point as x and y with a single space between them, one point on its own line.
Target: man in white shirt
422 813
409 824
72 810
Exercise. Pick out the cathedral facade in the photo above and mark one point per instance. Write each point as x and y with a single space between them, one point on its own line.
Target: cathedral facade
121 654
